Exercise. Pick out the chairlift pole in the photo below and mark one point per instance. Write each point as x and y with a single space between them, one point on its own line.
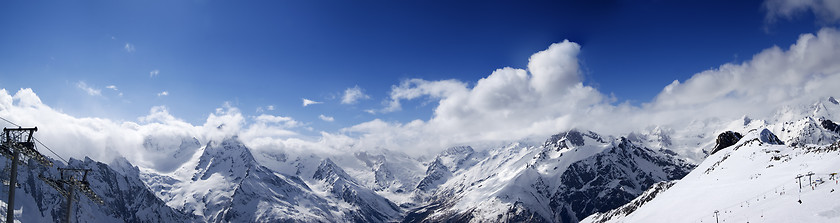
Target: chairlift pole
69 213
69 183
799 180
10 206
17 142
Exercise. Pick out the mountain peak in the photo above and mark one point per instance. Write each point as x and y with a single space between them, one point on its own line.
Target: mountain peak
456 150
329 171
229 157
571 138
436 174
768 137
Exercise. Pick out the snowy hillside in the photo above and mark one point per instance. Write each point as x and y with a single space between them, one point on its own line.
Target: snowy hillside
753 180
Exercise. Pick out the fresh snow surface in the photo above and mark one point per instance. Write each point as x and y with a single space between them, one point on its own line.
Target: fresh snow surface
751 181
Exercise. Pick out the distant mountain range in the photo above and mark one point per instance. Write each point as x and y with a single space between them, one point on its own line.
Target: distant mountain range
746 171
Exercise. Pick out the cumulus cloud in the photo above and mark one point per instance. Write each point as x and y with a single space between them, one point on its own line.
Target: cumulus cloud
512 104
773 78
555 69
826 11
307 102
509 104
154 73
152 141
164 93
129 47
88 89
326 118
353 95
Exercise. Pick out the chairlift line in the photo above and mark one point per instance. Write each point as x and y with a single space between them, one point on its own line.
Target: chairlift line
18 144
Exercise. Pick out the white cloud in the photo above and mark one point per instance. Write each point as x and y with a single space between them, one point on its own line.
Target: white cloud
129 47
273 119
509 104
353 95
773 78
88 89
164 93
826 11
415 88
555 69
512 104
98 138
154 73
114 87
263 109
307 102
104 139
326 118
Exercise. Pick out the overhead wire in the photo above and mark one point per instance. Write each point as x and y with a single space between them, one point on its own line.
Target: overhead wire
10 122
53 152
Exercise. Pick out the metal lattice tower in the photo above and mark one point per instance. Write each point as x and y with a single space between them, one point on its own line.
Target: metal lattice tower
17 145
72 179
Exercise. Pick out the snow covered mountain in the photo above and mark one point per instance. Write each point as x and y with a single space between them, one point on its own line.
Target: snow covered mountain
757 178
571 176
225 183
746 169
365 205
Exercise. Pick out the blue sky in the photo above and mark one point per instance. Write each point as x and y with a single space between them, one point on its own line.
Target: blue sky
257 54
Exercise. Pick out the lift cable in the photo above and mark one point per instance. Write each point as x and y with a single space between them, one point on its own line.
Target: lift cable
53 152
10 122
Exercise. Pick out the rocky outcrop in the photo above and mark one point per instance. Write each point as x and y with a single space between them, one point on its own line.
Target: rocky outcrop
830 126
767 136
726 139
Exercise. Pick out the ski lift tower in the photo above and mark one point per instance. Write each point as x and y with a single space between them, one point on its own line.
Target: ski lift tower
72 179
17 145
